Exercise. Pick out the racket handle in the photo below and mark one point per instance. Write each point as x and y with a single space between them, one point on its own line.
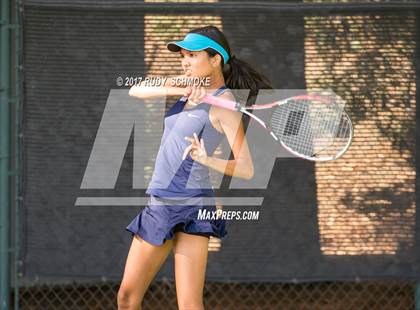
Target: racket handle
223 103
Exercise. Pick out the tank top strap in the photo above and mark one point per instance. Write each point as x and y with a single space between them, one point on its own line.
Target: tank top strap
220 90
177 107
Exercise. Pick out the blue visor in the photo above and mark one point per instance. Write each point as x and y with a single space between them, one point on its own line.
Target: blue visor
197 42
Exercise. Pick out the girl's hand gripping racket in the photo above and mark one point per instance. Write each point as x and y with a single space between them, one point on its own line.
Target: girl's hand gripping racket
312 127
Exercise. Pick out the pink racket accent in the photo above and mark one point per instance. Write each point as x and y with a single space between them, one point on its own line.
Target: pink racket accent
223 103
299 97
234 106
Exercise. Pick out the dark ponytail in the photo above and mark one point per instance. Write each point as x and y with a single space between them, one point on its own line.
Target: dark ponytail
238 74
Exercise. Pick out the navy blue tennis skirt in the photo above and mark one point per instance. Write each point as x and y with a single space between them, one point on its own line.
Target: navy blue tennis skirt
162 218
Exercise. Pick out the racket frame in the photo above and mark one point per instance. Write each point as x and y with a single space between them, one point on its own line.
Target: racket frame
236 106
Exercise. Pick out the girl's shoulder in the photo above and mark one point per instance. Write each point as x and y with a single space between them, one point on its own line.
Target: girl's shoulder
225 114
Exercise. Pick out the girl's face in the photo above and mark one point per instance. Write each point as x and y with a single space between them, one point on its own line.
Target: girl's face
197 64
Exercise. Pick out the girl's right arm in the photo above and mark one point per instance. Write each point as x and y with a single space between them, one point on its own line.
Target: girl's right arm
145 92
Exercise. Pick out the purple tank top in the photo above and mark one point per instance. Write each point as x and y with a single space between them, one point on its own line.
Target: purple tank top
176 178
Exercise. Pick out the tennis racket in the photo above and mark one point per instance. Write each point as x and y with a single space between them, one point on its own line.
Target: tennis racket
312 127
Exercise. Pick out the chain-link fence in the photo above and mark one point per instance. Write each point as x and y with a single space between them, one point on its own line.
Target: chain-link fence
370 295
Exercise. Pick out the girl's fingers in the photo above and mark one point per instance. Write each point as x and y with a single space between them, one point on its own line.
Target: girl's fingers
193 96
193 149
197 94
203 93
196 148
196 139
186 151
192 146
187 91
189 139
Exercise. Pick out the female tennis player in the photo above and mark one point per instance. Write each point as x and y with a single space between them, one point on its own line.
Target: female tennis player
180 184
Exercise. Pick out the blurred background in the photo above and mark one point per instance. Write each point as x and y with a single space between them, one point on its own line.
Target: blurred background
336 235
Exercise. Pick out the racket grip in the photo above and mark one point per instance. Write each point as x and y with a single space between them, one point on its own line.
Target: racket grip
223 103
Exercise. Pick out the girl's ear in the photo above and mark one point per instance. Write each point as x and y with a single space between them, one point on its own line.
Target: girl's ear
216 60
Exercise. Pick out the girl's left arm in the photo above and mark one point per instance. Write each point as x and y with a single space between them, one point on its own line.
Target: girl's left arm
231 123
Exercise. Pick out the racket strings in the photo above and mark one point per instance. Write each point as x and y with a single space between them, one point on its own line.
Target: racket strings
289 123
340 140
329 118
310 128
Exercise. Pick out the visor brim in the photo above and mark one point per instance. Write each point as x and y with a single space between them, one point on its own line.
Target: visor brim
186 45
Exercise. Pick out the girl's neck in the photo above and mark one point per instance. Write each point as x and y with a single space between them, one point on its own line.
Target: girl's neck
216 81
